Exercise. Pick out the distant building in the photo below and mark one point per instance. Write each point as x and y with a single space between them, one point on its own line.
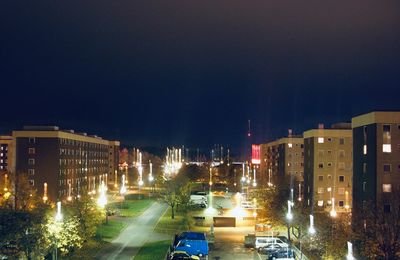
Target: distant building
376 149
68 163
7 154
328 166
283 157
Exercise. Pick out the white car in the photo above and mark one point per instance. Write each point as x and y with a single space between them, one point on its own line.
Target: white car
265 241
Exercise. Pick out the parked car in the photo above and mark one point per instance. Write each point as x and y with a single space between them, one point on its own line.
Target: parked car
182 255
282 254
271 248
193 243
262 241
247 205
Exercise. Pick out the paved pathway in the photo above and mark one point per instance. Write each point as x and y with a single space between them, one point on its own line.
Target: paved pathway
133 237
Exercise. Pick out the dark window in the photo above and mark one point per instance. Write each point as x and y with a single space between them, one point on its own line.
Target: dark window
387 168
341 178
341 203
31 140
320 165
320 178
386 128
341 141
386 208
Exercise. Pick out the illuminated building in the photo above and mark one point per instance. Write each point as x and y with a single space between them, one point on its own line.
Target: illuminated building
328 168
7 154
283 157
376 149
70 163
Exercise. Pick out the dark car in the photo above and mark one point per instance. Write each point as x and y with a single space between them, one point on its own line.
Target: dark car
284 253
269 249
182 255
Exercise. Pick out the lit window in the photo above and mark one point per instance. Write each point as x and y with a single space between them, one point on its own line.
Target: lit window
320 140
290 145
387 187
387 148
365 149
340 191
320 190
31 151
387 168
31 161
329 189
31 171
320 203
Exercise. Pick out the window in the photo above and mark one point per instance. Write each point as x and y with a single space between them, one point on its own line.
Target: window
32 182
31 150
290 145
320 190
31 161
364 186
31 171
340 191
329 177
341 153
386 208
320 140
320 178
341 166
387 148
341 140
32 140
364 167
329 152
302 146
341 178
320 203
321 165
329 139
386 128
341 203
365 149
387 168
387 187
329 164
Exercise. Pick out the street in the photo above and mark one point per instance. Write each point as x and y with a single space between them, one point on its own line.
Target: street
135 235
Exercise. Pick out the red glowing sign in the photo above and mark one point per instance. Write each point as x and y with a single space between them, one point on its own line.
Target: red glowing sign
255 154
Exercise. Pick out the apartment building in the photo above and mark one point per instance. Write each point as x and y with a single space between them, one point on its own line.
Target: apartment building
7 154
62 162
284 157
328 166
376 158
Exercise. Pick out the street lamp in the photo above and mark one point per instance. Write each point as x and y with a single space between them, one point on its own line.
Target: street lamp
333 213
311 229
289 214
349 251
58 219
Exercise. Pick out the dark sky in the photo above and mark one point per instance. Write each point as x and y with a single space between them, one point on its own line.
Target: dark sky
168 72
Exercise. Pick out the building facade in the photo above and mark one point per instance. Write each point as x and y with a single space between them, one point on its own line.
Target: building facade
7 154
67 163
328 166
376 149
284 157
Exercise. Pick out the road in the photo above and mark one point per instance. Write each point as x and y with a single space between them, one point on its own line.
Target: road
134 236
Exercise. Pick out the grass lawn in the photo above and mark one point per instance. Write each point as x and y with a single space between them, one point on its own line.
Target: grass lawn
171 226
107 232
88 251
131 208
153 250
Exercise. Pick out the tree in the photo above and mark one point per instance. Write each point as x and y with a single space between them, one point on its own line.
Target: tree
380 237
88 214
25 195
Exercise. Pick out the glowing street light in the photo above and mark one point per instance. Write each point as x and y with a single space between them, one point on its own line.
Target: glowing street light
59 216
254 177
102 200
123 188
349 251
333 213
311 229
289 214
45 198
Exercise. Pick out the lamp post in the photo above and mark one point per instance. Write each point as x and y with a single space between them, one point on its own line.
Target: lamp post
151 178
58 219
102 200
289 217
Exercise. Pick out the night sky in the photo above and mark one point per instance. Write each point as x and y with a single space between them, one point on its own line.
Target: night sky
167 72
